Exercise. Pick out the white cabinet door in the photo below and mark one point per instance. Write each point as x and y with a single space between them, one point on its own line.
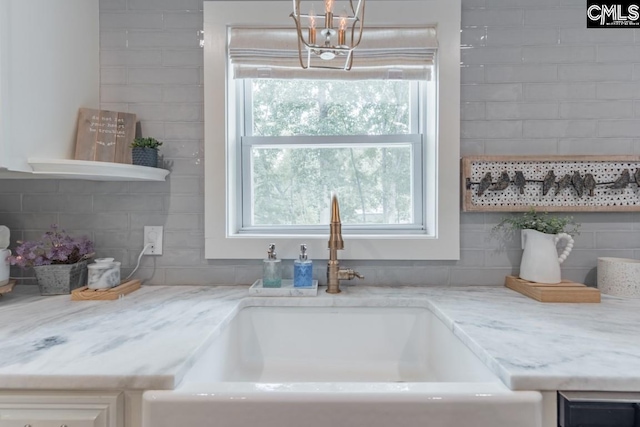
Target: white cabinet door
49 68
54 417
58 409
4 81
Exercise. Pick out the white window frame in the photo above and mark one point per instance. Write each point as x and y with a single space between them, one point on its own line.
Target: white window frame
222 239
414 137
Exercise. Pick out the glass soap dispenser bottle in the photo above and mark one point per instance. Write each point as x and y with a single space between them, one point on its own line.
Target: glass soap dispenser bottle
302 270
272 269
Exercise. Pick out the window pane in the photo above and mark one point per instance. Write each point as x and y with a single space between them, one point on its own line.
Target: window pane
309 107
291 186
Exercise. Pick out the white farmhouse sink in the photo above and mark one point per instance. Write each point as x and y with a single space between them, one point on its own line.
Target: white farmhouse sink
358 344
313 366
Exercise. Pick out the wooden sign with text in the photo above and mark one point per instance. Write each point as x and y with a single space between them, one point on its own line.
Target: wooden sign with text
105 136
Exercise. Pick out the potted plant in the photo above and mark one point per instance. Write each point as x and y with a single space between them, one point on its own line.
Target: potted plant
145 152
540 233
539 221
58 260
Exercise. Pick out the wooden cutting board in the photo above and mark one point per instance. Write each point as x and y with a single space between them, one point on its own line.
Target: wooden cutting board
86 294
5 289
565 291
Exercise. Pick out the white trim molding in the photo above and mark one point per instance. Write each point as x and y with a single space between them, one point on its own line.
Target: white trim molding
222 241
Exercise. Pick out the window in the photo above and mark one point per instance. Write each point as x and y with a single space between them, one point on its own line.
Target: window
302 139
274 149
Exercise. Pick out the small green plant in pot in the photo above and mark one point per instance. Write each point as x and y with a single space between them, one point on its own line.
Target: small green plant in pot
539 221
144 152
540 234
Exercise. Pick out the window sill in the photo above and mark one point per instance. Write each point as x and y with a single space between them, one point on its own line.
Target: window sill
392 247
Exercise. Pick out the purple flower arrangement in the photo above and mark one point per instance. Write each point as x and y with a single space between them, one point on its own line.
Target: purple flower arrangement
55 247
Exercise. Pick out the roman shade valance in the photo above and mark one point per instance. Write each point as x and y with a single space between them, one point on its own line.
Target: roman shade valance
384 53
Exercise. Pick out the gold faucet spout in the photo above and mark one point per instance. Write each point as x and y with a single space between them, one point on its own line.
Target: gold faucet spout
335 227
334 273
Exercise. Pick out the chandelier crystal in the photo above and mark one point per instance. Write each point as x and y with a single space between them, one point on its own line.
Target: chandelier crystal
337 39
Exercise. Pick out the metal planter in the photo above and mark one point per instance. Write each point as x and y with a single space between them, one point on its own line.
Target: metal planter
61 279
144 156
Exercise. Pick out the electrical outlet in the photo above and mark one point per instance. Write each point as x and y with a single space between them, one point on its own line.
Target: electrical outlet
153 236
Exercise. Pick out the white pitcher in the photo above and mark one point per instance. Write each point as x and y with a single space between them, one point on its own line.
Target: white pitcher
540 261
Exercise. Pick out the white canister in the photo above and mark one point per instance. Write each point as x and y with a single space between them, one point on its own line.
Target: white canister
103 274
4 266
619 277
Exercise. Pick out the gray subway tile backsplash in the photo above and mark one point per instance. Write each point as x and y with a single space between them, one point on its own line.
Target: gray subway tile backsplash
11 203
595 72
521 36
149 75
113 76
491 92
521 73
131 57
168 5
130 19
559 91
94 221
618 53
113 39
558 54
596 109
489 17
491 129
617 239
57 203
131 94
472 74
490 55
183 93
183 20
106 5
579 36
554 17
182 57
162 39
523 147
534 81
521 110
472 111
619 128
594 146
559 128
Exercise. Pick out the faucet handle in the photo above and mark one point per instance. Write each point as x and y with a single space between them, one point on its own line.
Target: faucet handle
348 274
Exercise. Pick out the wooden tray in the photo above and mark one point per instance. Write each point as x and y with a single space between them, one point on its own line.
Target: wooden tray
86 294
5 289
565 291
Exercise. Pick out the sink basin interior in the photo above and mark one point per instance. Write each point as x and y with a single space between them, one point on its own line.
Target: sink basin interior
327 344
319 366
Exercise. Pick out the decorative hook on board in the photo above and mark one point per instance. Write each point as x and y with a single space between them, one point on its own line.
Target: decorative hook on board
555 183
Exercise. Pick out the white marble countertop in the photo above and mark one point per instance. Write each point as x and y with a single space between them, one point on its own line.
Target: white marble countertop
148 339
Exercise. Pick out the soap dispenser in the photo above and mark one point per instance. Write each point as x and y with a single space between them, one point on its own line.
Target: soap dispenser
302 270
272 269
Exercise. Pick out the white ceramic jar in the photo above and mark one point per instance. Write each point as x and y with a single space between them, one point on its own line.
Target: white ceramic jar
4 266
619 277
103 274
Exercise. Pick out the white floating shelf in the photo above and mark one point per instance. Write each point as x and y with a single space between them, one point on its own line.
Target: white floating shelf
94 171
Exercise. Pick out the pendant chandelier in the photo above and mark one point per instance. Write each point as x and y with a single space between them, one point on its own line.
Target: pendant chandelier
335 41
